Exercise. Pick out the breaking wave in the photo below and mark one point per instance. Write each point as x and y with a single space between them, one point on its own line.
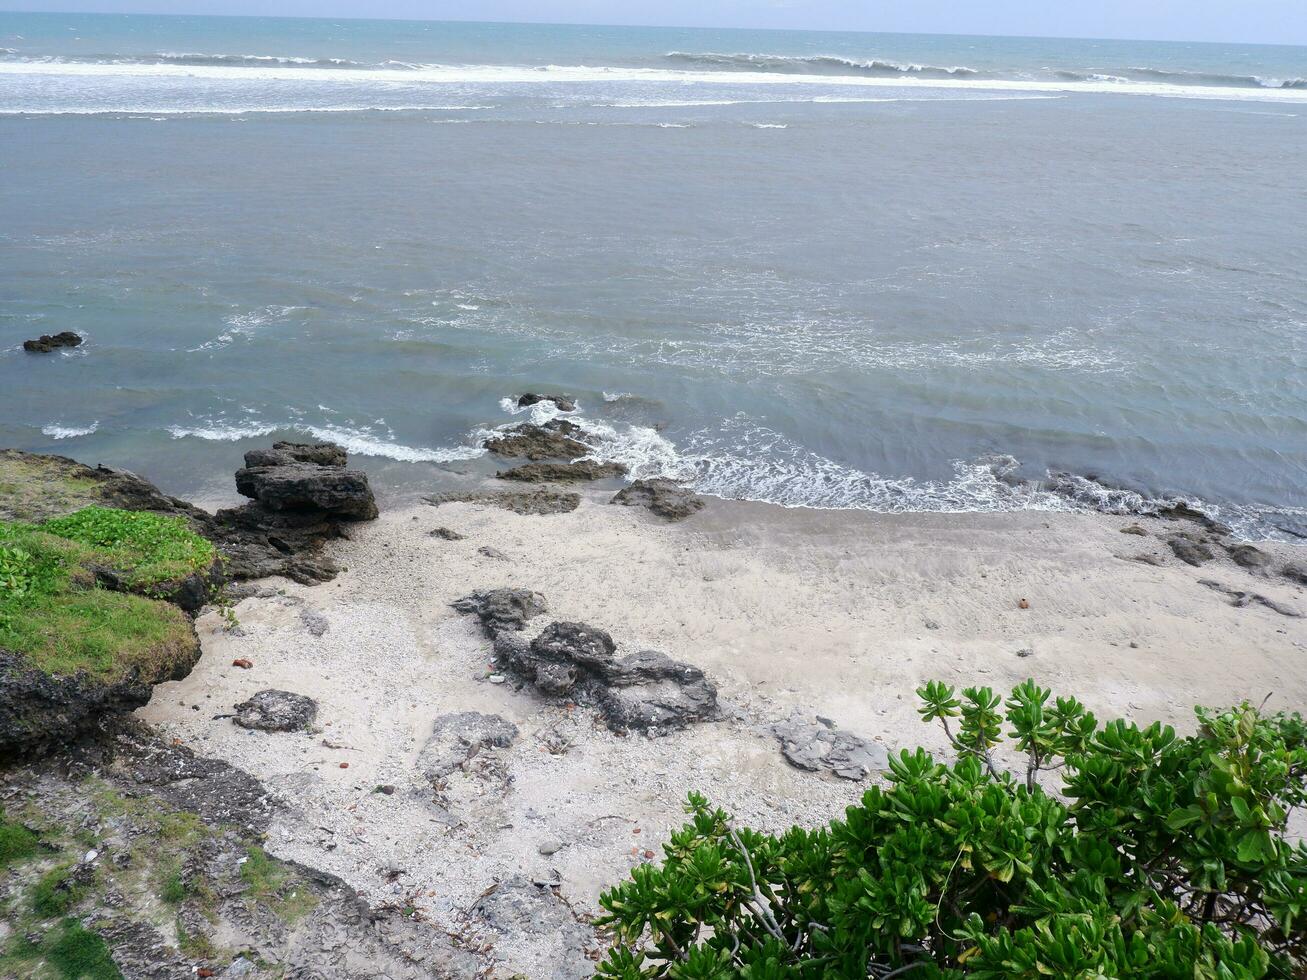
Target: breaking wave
821 64
69 431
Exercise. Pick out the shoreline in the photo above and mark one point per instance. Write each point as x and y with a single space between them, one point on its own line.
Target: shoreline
787 611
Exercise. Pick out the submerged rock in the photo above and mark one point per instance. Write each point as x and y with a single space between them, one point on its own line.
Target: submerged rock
531 503
646 692
502 609
663 497
579 471
276 711
561 402
818 746
51 342
553 440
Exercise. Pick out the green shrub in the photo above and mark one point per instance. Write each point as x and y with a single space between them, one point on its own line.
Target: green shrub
1162 857
148 548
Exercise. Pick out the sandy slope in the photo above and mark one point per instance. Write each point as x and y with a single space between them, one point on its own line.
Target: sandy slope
836 614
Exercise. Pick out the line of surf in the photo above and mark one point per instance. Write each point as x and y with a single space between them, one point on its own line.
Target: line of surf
576 74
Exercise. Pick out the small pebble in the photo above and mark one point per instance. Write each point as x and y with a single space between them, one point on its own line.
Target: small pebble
496 678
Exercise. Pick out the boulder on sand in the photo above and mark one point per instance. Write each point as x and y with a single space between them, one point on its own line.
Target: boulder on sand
662 497
276 711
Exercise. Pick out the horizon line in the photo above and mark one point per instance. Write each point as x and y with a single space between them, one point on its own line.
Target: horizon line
663 27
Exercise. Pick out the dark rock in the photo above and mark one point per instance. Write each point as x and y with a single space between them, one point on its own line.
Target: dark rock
553 440
1183 512
1133 529
647 691
39 710
459 738
276 711
49 342
532 503
1248 556
1240 598
662 497
502 609
579 471
1191 549
820 747
561 402
445 534
1295 572
290 477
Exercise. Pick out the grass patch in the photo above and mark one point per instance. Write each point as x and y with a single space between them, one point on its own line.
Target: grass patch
33 488
271 883
57 892
17 843
52 612
148 548
69 951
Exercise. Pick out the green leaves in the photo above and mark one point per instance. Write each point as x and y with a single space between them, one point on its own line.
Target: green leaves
1161 857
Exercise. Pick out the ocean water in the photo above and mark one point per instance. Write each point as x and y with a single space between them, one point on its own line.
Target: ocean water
885 272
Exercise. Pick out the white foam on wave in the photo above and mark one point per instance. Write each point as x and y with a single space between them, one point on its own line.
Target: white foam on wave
553 74
770 125
69 431
357 441
246 325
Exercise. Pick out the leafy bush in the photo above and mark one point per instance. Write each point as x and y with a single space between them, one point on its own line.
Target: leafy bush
148 548
1161 857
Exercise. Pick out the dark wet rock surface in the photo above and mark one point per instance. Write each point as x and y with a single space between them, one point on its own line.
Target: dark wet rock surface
646 692
276 711
818 746
502 609
39 711
46 343
527 440
663 497
561 402
579 471
529 503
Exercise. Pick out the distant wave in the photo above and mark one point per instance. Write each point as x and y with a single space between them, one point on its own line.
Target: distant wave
358 441
1180 77
821 64
69 431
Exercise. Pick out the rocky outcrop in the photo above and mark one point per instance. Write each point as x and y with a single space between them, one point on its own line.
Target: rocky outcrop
52 342
663 497
502 610
579 471
645 692
561 402
302 497
532 503
1192 549
818 746
40 709
276 711
553 440
306 479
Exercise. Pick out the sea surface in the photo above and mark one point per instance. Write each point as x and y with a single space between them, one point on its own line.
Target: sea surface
886 272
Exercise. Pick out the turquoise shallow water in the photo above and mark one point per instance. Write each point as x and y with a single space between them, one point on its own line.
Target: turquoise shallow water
882 272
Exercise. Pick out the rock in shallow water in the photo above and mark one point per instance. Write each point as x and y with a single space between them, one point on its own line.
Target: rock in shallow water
553 440
276 711
663 497
579 471
51 342
561 402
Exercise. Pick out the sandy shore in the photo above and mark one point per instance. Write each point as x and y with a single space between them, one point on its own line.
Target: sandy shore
825 613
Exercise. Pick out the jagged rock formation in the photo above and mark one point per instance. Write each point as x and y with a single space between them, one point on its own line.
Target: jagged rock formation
51 342
553 440
502 609
561 402
579 471
663 497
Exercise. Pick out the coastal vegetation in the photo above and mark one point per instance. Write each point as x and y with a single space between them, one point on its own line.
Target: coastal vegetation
1161 856
57 614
